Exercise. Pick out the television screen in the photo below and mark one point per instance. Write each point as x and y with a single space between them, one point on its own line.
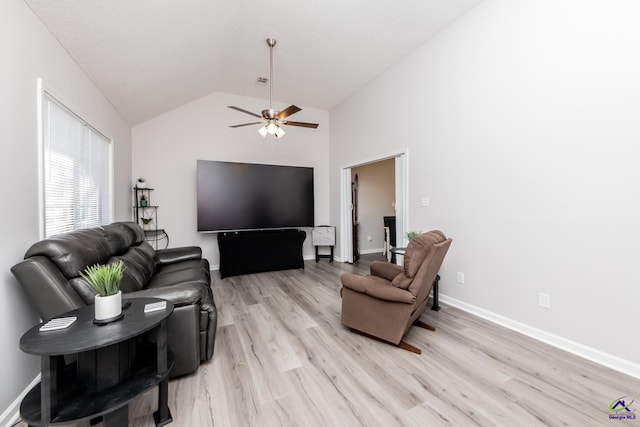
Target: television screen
245 196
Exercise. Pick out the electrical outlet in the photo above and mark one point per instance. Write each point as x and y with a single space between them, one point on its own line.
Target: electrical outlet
544 300
460 278
424 202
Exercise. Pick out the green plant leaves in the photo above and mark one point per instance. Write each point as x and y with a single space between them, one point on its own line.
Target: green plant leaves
105 279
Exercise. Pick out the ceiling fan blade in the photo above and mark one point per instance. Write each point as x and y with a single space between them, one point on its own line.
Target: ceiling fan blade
244 111
292 109
302 124
245 124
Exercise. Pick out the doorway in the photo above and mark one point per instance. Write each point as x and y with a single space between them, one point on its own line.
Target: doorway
348 215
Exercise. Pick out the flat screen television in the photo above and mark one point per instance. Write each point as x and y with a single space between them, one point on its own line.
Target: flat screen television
246 196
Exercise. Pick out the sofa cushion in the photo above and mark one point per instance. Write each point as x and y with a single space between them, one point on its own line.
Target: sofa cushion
137 233
73 252
115 240
138 268
151 253
118 236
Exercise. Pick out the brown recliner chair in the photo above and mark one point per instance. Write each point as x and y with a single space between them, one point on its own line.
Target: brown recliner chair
386 303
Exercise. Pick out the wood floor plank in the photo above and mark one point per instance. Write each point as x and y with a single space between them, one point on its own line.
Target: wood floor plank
274 337
266 379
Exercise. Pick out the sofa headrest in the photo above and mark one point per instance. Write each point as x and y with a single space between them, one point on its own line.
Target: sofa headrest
72 252
121 235
418 249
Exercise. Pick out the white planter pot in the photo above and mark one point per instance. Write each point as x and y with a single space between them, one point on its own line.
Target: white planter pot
141 185
108 307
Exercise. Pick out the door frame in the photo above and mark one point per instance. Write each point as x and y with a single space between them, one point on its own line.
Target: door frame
401 192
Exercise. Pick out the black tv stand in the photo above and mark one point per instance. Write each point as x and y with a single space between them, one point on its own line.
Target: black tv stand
246 252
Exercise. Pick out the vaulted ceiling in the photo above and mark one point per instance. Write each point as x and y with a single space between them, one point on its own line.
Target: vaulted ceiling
151 56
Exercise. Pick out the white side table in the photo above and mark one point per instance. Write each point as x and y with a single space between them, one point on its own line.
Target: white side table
323 235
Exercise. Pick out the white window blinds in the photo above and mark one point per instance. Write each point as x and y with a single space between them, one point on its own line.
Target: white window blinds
77 171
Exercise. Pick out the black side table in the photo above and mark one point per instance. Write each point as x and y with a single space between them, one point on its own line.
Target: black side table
112 367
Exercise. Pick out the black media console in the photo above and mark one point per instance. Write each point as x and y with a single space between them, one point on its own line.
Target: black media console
246 252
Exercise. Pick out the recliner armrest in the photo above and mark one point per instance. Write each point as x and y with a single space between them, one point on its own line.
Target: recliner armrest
386 270
376 288
173 255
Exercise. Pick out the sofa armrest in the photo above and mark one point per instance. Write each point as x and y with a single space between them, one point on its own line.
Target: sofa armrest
386 270
49 290
173 255
180 294
376 288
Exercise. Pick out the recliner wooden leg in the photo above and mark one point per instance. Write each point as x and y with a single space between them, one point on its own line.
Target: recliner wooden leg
403 345
406 346
421 324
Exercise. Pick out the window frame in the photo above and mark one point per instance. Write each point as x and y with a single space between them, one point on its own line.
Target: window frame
44 95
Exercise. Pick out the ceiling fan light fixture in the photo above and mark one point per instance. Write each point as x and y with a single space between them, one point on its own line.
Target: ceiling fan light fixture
263 131
272 128
279 133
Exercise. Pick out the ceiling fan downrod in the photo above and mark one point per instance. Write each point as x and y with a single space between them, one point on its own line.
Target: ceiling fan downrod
271 42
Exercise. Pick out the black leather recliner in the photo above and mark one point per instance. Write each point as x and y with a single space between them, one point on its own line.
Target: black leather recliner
50 274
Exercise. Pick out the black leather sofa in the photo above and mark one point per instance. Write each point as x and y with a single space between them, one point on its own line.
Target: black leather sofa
50 274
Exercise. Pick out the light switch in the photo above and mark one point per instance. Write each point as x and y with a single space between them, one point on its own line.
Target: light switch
424 202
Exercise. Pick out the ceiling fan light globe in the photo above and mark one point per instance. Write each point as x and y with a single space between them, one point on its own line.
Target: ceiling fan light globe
263 131
272 128
279 133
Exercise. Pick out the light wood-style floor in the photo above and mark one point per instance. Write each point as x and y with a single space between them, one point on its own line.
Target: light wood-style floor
282 358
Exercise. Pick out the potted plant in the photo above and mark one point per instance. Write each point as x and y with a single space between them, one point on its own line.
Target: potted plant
411 234
105 280
143 201
146 223
141 183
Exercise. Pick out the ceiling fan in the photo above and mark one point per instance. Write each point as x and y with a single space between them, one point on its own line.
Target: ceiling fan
271 119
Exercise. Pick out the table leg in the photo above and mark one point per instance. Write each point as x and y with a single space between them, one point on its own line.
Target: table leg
50 366
436 291
162 416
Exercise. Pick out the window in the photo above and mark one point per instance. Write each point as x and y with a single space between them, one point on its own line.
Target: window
76 171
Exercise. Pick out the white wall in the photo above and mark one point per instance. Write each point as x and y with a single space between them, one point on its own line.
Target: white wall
522 124
376 198
165 150
28 51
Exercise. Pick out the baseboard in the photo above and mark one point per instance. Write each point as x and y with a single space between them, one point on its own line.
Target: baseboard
610 361
12 413
371 251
